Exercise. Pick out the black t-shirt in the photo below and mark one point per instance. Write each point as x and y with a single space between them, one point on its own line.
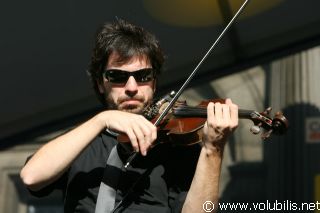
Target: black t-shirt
165 175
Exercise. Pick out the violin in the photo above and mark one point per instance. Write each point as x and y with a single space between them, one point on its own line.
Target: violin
182 124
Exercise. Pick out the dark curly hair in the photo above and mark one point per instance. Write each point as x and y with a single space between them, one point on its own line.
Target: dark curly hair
127 40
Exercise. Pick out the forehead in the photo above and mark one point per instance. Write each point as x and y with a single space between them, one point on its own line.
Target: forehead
134 62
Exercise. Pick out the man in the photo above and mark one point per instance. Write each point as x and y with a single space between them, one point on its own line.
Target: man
87 162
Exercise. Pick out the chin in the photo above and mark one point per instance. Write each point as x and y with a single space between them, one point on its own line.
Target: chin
135 111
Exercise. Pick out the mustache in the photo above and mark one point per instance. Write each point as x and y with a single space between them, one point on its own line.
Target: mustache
127 98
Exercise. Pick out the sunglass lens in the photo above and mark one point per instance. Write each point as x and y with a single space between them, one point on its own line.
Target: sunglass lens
117 77
144 75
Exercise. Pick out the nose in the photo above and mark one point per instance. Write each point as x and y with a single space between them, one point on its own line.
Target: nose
131 87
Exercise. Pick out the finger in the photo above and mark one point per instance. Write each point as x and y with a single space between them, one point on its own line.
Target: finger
234 115
152 131
228 101
226 114
140 137
210 114
133 139
218 113
146 129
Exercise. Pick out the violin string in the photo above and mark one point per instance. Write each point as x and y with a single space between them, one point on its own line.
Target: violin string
200 110
189 110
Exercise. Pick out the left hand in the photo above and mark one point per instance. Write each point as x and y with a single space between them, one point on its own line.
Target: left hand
222 120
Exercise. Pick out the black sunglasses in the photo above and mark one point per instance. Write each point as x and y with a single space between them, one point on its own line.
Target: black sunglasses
121 77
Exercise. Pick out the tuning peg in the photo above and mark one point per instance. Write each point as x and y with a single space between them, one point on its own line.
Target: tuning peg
267 111
255 129
266 134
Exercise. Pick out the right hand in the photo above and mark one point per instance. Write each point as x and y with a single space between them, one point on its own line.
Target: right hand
141 132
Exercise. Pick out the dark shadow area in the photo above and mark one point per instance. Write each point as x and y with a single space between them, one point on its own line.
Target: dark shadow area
285 180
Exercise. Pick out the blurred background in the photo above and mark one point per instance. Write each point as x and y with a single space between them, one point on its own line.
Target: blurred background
269 57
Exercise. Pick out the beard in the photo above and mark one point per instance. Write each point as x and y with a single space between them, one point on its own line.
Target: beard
122 105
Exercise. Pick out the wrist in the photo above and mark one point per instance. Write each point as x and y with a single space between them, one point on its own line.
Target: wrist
100 120
214 149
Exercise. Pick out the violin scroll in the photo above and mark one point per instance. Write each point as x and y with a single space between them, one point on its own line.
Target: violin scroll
277 125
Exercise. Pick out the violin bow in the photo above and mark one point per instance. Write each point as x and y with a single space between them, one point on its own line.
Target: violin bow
185 84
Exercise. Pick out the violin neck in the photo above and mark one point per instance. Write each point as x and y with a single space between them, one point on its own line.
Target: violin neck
189 111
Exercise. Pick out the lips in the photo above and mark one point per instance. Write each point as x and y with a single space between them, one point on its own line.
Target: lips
131 102
131 105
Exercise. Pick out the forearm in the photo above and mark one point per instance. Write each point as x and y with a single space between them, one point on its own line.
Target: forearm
205 183
51 160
